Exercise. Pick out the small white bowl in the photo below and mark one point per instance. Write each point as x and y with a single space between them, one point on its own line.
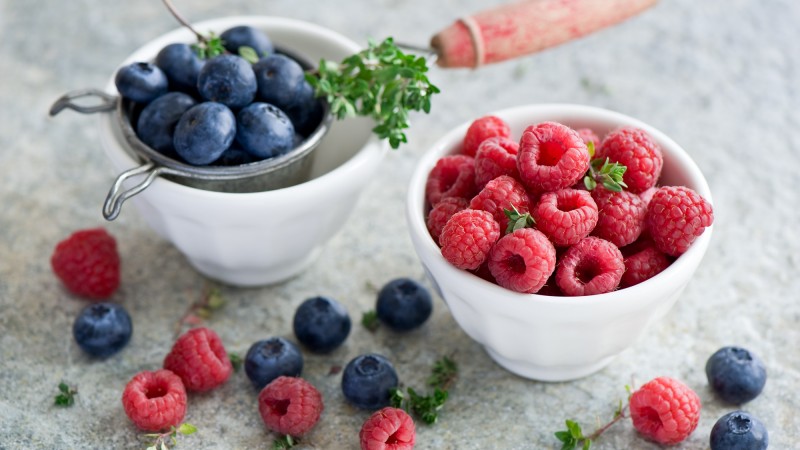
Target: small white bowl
555 338
259 238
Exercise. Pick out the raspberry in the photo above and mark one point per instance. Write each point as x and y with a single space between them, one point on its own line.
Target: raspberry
620 216
452 176
551 156
496 156
199 358
588 135
676 216
467 238
155 401
290 406
642 262
665 410
565 216
592 266
388 429
482 129
523 260
87 263
502 193
442 212
647 195
636 150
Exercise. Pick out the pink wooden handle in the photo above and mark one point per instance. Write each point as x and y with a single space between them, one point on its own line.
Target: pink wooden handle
525 27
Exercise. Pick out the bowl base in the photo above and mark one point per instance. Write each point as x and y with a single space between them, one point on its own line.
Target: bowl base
254 277
548 373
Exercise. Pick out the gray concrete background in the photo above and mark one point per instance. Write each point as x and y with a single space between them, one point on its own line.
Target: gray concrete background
720 77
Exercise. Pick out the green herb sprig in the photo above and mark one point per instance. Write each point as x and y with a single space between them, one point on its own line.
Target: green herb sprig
284 442
573 438
369 320
162 441
604 173
427 407
66 395
518 220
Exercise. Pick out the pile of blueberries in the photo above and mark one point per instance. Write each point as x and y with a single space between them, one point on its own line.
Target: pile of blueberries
223 110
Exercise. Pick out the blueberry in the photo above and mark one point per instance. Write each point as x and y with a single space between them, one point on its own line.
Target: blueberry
245 36
141 82
306 110
736 375
264 131
234 156
279 79
321 324
227 79
366 381
204 132
270 358
181 65
156 124
403 304
739 430
102 329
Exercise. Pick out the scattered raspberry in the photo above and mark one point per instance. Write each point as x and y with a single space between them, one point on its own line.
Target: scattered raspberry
155 401
588 136
388 429
442 212
502 193
565 216
290 405
642 262
592 266
496 156
523 260
452 176
636 150
676 216
199 358
665 410
551 156
621 216
87 263
482 129
467 238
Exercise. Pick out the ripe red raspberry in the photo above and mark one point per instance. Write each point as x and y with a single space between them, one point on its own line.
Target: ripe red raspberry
523 260
665 410
482 129
502 193
290 405
199 358
642 262
620 216
388 429
87 263
442 212
676 216
592 266
155 401
588 135
636 150
496 156
467 238
647 195
551 156
452 176
565 216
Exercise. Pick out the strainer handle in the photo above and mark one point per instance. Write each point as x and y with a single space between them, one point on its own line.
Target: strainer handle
117 195
107 102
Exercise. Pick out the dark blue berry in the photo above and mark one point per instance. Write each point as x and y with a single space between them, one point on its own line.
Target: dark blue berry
270 358
227 79
306 110
234 156
264 131
245 36
279 79
736 375
102 329
156 124
141 82
739 430
181 65
321 324
366 381
403 304
204 132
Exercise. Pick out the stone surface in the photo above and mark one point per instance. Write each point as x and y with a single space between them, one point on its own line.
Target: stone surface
721 78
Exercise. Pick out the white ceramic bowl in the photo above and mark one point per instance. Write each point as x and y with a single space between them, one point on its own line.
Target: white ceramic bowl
555 338
259 238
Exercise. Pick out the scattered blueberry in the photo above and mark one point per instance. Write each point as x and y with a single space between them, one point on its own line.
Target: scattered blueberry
204 132
279 79
245 36
366 381
264 130
404 304
141 82
739 430
736 375
306 110
321 324
157 121
227 79
270 358
181 65
102 329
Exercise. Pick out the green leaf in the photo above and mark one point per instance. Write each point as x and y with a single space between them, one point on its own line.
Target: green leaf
370 320
574 429
66 397
516 220
164 446
187 429
590 147
587 444
249 54
396 397
283 442
236 361
63 387
563 436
